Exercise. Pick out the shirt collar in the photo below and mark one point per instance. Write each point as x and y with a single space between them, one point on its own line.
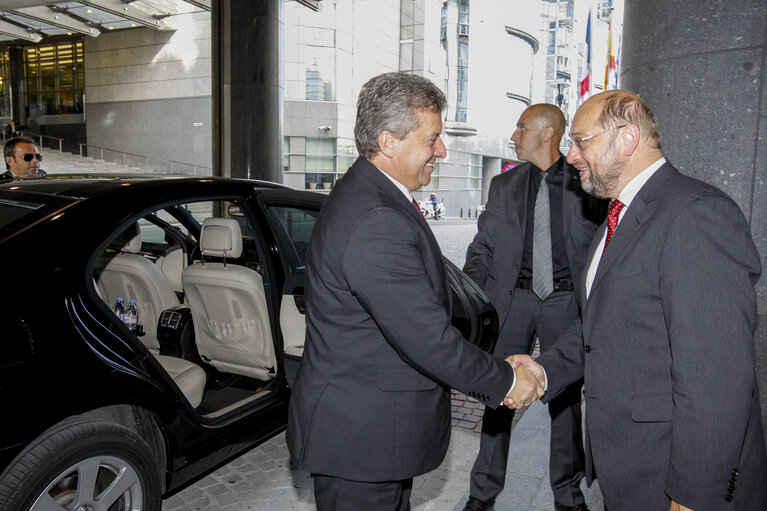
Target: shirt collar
632 188
402 188
554 174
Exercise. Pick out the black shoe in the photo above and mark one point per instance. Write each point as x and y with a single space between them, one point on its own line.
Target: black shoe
475 504
579 507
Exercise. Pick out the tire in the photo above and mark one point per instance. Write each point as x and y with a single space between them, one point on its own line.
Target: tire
48 473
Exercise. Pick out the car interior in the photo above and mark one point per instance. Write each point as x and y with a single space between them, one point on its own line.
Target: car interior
198 281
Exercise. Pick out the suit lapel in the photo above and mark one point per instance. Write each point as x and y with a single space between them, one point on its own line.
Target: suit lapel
383 183
516 204
637 213
570 197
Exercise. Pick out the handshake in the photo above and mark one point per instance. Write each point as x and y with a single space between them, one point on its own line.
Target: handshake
530 383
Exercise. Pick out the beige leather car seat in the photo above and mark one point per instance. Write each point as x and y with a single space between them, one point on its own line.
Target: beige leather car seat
122 272
228 304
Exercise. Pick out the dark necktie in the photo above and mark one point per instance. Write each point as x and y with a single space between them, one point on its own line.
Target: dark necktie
543 273
418 208
613 211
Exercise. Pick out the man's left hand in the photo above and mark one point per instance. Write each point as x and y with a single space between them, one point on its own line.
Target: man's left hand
676 506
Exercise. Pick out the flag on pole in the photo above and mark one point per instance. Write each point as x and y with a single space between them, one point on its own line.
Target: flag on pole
611 67
585 78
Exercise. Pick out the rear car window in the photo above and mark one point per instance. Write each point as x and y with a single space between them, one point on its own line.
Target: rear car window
18 210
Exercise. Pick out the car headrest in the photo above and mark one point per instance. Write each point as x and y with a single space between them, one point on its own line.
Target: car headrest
129 240
219 235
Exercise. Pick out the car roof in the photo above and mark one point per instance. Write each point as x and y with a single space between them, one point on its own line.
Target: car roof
83 186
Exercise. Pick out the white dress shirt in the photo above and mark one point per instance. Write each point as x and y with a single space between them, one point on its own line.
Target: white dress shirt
626 196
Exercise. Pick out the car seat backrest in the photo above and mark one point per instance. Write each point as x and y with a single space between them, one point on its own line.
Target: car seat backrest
228 304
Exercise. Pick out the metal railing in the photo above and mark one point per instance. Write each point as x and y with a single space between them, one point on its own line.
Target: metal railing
41 138
179 167
121 156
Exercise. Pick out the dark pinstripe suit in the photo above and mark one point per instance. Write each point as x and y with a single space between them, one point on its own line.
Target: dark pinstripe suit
666 350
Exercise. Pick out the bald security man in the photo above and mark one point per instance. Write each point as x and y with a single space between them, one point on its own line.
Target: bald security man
540 199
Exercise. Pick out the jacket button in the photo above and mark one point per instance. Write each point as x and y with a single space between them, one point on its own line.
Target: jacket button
587 348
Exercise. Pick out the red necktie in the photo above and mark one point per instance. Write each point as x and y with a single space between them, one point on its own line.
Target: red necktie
613 210
418 208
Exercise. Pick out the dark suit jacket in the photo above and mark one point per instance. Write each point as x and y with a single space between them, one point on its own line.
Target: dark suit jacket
666 349
371 401
494 257
8 175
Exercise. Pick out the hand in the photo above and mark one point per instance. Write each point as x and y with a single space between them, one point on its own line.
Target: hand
527 389
531 365
676 506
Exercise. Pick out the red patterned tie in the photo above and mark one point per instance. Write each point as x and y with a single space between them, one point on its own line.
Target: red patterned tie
418 208
613 210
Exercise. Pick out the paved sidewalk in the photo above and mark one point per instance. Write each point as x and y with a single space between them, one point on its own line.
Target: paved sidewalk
261 479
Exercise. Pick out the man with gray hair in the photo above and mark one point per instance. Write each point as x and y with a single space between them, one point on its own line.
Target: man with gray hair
370 407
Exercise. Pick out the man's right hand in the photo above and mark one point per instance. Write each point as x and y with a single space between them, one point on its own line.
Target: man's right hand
527 389
531 365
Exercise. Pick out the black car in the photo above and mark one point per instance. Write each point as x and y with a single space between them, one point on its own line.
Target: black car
150 328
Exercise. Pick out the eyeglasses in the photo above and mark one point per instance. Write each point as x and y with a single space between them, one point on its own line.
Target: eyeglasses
28 157
578 142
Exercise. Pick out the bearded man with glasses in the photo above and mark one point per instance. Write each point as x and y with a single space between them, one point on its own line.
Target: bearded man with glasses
665 343
22 159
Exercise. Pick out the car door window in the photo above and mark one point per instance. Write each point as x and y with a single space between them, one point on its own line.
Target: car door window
295 228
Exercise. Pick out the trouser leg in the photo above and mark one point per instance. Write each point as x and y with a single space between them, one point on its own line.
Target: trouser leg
566 459
337 494
566 456
489 471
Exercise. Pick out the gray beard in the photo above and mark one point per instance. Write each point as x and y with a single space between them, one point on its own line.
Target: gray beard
605 184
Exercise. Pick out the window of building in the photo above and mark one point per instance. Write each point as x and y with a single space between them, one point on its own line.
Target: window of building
443 26
604 9
463 60
463 81
463 12
5 84
53 77
411 23
286 154
475 178
320 163
346 155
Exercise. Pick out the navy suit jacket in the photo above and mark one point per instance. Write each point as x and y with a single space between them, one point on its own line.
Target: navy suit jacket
371 400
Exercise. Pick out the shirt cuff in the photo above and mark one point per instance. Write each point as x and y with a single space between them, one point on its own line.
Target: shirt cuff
511 389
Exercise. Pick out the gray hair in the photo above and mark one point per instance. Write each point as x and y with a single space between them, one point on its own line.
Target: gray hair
391 102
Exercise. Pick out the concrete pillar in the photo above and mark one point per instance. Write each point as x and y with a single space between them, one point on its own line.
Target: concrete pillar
247 88
701 65
18 108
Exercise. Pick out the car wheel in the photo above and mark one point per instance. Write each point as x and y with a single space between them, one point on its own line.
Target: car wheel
84 464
